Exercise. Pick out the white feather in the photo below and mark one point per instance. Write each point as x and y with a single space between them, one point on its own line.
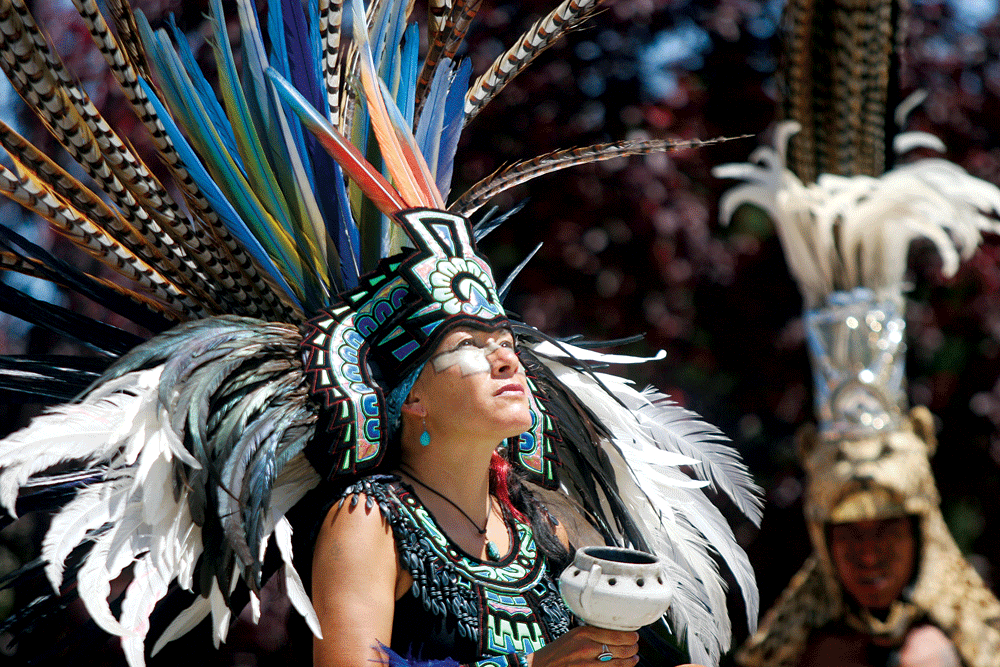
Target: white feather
148 587
220 614
293 583
184 622
650 440
904 142
96 426
566 350
254 608
846 232
94 586
69 528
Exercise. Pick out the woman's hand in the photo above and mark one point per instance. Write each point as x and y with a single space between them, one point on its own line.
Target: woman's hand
583 645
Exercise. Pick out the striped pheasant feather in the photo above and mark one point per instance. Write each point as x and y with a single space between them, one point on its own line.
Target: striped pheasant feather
50 100
437 16
128 33
330 16
101 219
26 266
445 41
233 270
244 291
838 57
543 34
526 170
129 169
33 195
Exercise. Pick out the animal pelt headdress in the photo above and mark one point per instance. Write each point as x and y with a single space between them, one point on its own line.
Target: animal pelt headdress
846 241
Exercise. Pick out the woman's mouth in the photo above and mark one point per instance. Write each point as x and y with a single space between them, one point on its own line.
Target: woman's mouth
510 390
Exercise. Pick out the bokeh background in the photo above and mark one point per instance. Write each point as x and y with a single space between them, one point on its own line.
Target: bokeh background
634 246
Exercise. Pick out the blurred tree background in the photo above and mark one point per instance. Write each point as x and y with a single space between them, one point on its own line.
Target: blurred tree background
634 245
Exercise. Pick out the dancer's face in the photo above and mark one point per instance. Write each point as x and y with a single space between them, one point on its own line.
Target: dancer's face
474 384
874 559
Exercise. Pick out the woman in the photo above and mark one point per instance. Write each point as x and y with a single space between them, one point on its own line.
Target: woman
460 562
471 396
313 320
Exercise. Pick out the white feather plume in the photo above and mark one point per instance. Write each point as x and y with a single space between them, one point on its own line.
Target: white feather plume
846 232
131 515
96 426
650 439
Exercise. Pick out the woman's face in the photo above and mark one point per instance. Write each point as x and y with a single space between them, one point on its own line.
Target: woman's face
474 386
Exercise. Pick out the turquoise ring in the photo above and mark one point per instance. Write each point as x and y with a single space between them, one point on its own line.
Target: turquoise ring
605 654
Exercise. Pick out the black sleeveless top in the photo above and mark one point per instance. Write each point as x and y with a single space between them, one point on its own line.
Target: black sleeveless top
461 607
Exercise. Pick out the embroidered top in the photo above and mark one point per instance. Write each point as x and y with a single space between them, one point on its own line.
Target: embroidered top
460 606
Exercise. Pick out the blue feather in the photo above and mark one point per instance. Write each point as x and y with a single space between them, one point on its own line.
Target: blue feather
216 199
379 33
384 55
301 49
454 119
283 167
299 53
316 48
409 70
431 122
441 119
348 237
281 59
205 92
390 658
252 115
395 25
227 169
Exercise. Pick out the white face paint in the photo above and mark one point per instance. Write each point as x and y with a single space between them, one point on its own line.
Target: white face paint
469 357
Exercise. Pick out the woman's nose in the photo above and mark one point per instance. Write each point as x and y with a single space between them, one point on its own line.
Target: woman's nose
503 359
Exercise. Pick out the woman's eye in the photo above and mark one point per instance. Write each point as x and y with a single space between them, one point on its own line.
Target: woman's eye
465 343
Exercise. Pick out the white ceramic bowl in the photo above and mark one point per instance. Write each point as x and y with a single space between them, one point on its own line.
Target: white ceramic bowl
617 589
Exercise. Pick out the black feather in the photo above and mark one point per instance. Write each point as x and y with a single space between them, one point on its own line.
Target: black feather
65 274
47 378
102 338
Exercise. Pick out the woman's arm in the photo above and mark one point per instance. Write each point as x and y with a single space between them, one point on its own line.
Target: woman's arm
355 577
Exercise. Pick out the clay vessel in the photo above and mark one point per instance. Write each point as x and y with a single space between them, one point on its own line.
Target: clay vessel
617 589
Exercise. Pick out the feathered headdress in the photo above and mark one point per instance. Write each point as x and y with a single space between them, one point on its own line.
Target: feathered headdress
846 238
310 263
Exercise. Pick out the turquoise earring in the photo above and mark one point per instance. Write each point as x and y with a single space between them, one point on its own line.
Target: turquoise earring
425 437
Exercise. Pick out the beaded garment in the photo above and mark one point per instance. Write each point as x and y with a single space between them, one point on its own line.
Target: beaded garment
478 608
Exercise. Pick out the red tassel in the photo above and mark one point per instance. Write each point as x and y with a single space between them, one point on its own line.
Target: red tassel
499 471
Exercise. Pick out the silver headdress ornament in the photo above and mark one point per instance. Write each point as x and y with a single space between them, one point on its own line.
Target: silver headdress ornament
857 352
846 240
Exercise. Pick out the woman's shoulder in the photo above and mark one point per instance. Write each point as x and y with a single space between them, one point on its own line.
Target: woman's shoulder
379 491
360 513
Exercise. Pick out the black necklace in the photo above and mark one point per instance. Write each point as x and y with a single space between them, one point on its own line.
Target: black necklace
491 549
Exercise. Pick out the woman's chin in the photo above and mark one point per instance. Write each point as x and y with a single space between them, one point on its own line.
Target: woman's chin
514 426
521 426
